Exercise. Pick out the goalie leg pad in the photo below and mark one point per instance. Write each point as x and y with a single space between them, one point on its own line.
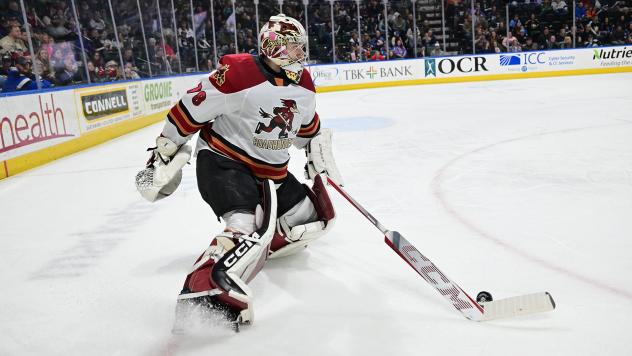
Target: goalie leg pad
291 237
232 260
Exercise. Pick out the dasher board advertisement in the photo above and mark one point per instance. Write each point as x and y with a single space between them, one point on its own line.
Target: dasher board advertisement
32 122
102 106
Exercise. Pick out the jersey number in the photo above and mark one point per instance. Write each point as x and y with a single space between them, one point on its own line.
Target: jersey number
199 97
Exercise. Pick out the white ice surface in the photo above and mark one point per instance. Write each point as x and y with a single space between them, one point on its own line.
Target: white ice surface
511 186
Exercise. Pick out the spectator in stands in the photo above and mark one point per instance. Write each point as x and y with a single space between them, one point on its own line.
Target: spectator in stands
95 41
580 10
428 40
354 53
69 74
551 43
131 72
592 30
13 10
42 65
96 21
5 65
508 41
93 72
559 7
483 46
57 28
169 52
481 42
591 12
113 71
410 35
436 50
379 37
19 77
592 42
533 26
376 56
7 61
57 60
13 42
547 7
399 51
128 57
493 38
3 78
98 60
530 45
623 20
567 43
47 43
354 41
162 64
398 23
250 46
544 37
354 48
521 34
618 36
513 45
514 22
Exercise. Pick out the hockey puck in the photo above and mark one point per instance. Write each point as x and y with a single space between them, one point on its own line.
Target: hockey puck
483 297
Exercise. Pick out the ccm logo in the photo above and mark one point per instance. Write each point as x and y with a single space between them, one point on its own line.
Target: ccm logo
241 250
443 284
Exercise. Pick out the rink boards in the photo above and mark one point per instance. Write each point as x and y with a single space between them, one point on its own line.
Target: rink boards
41 127
38 128
467 68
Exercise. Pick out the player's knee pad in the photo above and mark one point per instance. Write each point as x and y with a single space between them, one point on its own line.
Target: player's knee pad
232 260
244 222
307 221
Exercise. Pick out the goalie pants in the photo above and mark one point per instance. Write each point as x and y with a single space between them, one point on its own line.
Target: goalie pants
227 185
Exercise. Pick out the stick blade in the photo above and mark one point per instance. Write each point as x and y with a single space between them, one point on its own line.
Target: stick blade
517 306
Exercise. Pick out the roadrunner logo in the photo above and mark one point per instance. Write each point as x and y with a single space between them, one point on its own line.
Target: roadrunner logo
220 74
282 118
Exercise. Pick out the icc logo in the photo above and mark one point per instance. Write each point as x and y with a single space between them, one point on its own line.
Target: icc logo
522 59
281 117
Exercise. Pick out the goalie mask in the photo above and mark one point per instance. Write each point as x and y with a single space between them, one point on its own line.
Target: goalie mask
282 40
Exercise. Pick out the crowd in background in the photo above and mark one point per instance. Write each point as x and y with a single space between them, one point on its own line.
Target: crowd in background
543 25
176 44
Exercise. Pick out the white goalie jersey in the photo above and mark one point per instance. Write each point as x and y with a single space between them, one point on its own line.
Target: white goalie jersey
246 113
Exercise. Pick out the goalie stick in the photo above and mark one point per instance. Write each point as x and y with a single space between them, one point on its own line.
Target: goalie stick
489 310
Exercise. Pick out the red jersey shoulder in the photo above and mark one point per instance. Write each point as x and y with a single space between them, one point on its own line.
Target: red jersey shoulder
306 81
236 72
